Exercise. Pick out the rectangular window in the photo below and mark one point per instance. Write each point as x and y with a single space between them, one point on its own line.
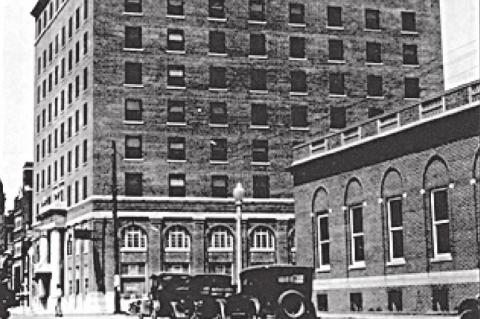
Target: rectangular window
176 148
338 117
357 235
218 113
176 183
55 140
49 175
218 149
76 192
63 36
85 188
440 299
85 114
176 112
259 114
175 40
334 17
85 151
258 80
257 10
77 86
70 27
70 93
62 68
69 133
219 186
176 76
77 18
298 81
323 241
216 9
69 196
133 5
62 166
49 144
133 73
335 50
374 52
38 152
85 78
412 88
261 186
77 156
70 60
440 222
408 22
395 228
257 44
356 301
133 110
133 37
50 82
296 13
56 75
410 56
217 78
69 161
85 9
216 41
133 184
336 84
50 52
49 113
322 302
372 19
299 116
133 147
297 47
394 297
85 43
374 85
175 7
260 151
62 133
56 44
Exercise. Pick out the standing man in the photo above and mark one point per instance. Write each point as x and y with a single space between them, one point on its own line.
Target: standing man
58 305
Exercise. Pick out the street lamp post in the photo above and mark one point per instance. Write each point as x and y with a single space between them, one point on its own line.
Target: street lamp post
238 194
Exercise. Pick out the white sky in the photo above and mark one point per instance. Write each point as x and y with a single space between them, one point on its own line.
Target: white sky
460 28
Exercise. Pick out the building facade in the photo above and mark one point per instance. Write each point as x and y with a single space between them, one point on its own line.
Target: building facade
391 209
198 95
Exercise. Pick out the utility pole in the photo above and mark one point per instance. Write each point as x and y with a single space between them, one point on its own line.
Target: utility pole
116 277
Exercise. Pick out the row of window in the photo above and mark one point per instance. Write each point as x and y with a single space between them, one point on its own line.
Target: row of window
177 185
258 81
395 230
60 134
52 8
178 238
257 12
258 47
54 172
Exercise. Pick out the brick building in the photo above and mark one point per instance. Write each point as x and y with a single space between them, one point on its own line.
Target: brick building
198 95
391 208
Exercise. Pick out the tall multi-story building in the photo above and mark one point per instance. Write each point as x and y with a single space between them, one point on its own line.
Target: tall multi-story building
198 95
389 209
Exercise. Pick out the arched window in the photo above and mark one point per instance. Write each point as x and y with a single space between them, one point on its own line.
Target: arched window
221 239
134 238
263 239
177 239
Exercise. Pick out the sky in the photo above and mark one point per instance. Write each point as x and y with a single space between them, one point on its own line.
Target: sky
460 36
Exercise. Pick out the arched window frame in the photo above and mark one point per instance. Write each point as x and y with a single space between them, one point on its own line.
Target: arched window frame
263 240
177 239
134 239
221 239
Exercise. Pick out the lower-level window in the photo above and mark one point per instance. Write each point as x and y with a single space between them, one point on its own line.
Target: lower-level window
220 268
177 267
133 287
322 302
133 269
440 299
356 301
395 300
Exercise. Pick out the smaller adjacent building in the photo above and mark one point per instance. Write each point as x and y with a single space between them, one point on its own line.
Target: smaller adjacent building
388 211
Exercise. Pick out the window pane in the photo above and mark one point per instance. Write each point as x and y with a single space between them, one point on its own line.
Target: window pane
408 21
218 149
257 44
374 85
374 52
176 111
324 235
412 89
217 41
372 19
216 9
397 243
218 113
259 114
297 47
175 40
335 49
261 186
395 212
217 78
298 81
176 75
440 205
257 10
133 37
357 220
443 238
133 6
297 13
299 116
325 254
334 16
133 110
395 300
358 248
175 7
133 184
258 80
410 54
338 117
133 73
260 151
336 83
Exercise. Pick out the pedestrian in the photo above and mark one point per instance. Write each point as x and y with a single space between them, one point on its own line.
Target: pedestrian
58 306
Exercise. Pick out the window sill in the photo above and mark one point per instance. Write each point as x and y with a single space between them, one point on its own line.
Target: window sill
135 14
298 93
405 32
172 87
176 123
291 58
133 250
325 268
258 57
217 162
133 159
337 95
261 250
415 99
132 275
358 265
176 161
297 25
259 127
219 250
441 258
174 16
217 54
218 89
337 28
337 61
299 128
260 163
214 19
396 262
218 125
175 51
177 250
411 65
261 22
374 63
375 97
133 49
133 85
258 91
372 30
131 122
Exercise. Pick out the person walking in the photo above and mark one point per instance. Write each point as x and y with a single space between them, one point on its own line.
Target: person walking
58 305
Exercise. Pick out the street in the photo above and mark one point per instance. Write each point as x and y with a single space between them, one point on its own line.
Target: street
72 316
